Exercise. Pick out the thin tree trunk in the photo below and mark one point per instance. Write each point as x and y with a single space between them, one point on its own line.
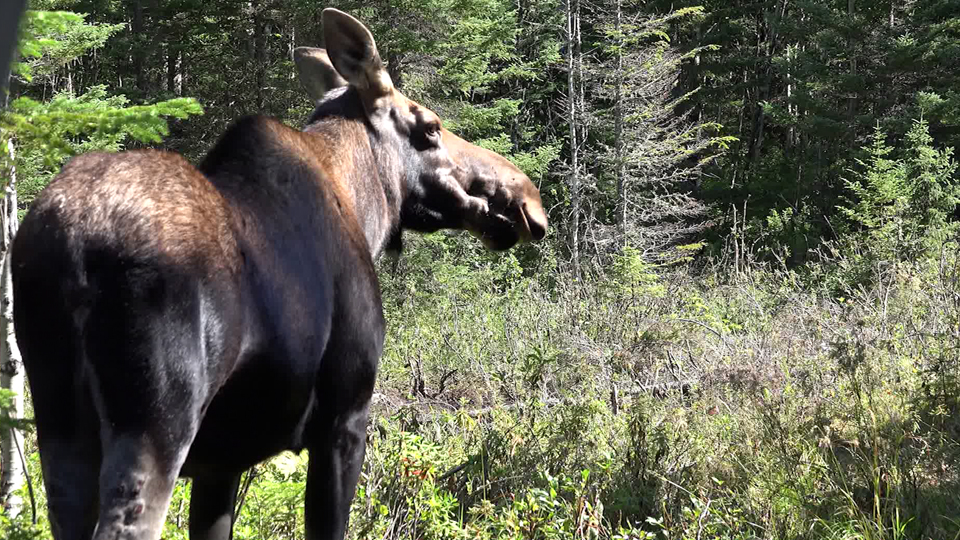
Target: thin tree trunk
852 103
139 46
572 23
10 12
174 76
618 129
763 92
736 242
69 69
791 108
291 45
260 31
744 111
184 72
11 368
583 129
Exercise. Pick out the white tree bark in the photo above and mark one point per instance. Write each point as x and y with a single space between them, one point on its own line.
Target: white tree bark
11 367
618 130
852 104
573 21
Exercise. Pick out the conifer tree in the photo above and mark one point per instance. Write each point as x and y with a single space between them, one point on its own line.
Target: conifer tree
647 141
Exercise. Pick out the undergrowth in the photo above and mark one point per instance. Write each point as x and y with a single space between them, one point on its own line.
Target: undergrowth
643 402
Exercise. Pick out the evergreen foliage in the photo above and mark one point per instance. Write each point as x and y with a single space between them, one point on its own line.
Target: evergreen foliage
900 207
48 132
51 39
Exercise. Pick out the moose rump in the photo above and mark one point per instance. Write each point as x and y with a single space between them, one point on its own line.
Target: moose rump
113 318
180 320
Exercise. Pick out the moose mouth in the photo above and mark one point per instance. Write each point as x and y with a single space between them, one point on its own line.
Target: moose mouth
501 230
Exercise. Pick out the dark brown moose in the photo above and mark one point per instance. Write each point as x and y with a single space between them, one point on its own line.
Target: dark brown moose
183 321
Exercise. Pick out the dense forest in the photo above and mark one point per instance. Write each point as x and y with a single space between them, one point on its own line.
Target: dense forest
743 324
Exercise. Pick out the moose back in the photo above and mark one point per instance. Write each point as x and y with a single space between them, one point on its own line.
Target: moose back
193 321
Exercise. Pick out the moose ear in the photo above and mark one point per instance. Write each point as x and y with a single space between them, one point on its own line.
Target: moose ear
354 53
317 73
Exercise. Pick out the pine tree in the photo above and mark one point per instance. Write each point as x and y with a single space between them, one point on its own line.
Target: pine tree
934 188
647 141
879 193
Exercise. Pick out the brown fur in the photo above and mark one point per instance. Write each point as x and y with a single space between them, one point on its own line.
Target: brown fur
144 202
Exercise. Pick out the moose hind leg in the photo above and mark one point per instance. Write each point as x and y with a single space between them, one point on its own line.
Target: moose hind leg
332 476
212 500
136 484
143 344
70 469
68 428
142 457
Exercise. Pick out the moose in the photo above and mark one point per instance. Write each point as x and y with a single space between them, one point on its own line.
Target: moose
180 320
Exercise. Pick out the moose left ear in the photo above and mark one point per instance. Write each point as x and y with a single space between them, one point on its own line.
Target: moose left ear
317 73
354 53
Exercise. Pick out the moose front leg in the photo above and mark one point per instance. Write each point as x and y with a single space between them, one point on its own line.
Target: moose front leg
336 435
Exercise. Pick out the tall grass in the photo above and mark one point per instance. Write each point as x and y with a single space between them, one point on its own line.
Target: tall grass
646 402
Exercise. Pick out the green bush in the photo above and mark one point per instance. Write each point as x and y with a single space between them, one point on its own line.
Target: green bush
898 210
648 403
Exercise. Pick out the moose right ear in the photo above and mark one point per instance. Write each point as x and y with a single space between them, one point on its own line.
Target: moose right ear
353 53
316 72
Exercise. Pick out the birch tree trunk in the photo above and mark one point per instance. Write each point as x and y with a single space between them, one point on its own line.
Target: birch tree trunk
791 108
618 133
852 104
260 32
174 76
572 23
11 367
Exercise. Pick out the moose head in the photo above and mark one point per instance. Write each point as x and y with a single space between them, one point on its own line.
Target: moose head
432 178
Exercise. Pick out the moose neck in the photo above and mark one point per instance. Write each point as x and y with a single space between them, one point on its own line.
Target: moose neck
368 167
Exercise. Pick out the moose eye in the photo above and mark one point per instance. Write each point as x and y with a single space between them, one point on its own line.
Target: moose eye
432 130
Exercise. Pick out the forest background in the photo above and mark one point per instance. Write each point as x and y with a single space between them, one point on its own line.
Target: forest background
745 322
